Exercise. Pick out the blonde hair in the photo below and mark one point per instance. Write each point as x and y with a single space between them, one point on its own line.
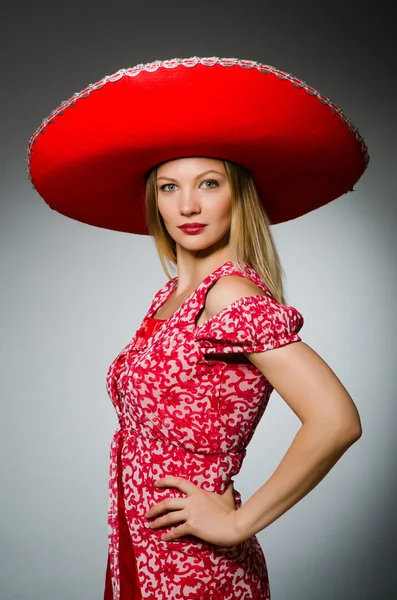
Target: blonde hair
250 239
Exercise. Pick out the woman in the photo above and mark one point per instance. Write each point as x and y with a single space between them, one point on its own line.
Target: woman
192 385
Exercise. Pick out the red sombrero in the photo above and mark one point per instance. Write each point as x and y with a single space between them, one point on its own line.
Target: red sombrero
89 158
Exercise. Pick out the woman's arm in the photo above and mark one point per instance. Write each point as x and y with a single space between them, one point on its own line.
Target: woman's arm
330 425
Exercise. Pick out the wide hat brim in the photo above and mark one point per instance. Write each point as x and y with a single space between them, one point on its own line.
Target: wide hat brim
88 159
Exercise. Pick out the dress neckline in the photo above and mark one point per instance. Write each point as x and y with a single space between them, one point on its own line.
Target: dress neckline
183 314
172 283
156 319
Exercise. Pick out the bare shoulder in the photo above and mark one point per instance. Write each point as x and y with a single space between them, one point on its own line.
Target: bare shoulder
228 289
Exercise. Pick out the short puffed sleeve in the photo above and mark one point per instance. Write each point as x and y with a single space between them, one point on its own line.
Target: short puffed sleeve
250 324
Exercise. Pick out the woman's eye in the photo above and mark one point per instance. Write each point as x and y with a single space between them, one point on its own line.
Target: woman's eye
211 181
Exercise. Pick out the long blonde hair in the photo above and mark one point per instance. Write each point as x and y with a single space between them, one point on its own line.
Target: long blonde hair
250 238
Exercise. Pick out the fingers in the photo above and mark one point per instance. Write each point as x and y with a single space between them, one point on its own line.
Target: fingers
184 485
176 533
167 504
169 519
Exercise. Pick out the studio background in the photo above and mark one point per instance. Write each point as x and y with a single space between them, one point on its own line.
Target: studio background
72 296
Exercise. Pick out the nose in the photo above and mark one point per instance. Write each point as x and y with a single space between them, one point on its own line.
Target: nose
189 203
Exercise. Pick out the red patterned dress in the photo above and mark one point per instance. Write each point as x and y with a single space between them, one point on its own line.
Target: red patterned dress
184 412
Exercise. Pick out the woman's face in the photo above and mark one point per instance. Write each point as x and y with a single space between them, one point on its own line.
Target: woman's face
194 190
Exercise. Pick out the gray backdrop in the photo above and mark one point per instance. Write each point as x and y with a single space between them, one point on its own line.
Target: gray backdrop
73 295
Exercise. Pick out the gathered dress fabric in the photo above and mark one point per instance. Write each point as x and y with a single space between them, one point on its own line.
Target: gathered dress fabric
188 402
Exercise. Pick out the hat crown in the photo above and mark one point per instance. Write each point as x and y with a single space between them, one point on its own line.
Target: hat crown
300 148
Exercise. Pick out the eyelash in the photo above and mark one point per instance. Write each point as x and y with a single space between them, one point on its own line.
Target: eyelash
205 181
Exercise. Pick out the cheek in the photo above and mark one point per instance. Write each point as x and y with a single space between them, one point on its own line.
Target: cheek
219 200
223 208
164 210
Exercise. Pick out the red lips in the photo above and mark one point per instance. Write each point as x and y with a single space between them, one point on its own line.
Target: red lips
191 225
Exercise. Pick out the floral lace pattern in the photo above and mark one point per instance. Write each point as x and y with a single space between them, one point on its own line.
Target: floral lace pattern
184 413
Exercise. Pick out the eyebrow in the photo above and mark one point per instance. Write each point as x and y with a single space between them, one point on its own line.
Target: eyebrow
200 175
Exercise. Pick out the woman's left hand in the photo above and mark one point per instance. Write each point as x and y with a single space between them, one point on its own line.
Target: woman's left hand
206 515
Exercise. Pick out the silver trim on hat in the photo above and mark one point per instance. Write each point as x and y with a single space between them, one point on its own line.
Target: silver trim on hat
190 62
